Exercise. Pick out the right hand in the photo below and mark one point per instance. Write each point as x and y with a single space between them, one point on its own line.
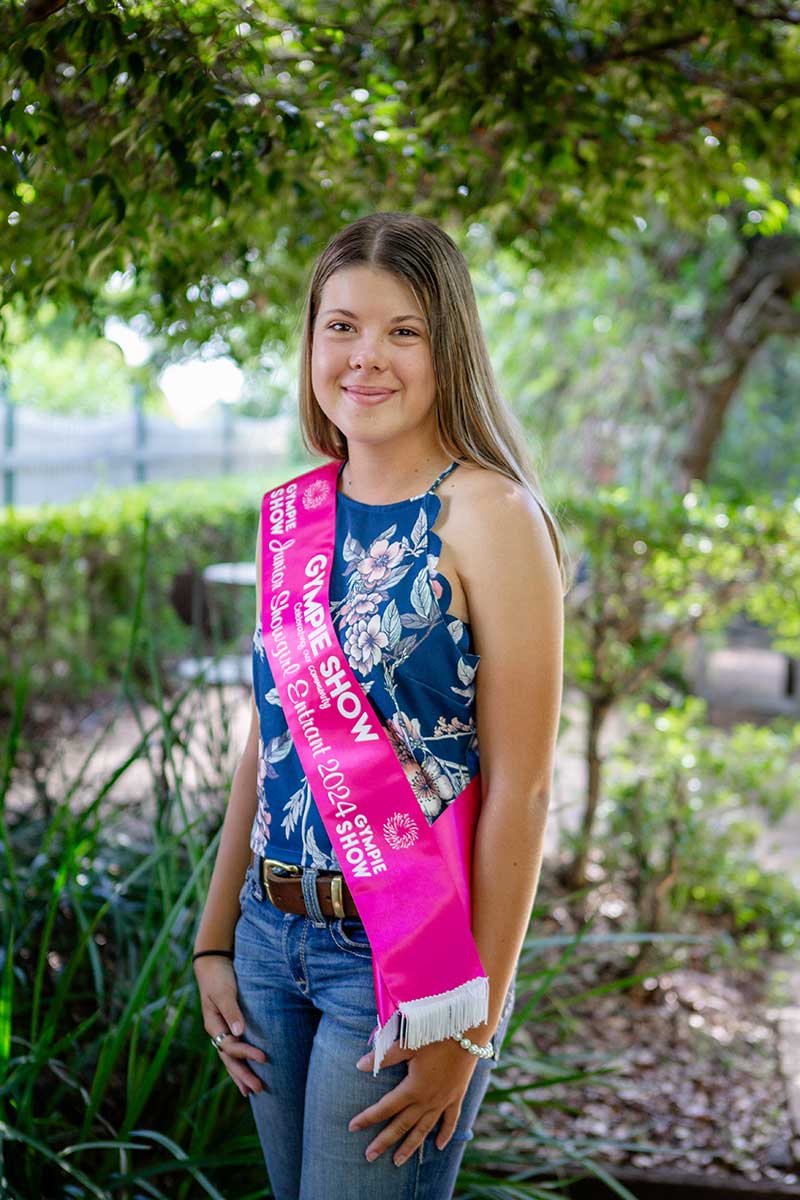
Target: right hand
219 998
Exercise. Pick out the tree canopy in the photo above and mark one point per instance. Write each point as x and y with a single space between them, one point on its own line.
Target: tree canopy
208 149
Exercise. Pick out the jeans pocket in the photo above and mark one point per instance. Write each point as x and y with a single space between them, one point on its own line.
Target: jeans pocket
349 934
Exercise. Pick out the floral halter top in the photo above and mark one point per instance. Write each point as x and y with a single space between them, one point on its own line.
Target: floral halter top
413 659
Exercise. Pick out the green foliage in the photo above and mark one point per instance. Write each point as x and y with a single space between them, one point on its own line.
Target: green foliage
660 570
186 147
603 362
109 1085
758 447
99 1024
68 587
599 363
101 1028
663 568
686 805
56 364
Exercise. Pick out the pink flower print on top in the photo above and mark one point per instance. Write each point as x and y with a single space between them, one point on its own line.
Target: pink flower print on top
364 642
404 732
381 560
433 561
359 604
432 786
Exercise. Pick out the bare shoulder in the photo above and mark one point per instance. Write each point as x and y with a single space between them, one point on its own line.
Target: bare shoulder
494 515
483 485
509 569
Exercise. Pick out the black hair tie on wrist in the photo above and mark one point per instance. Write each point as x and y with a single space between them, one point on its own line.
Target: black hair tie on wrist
200 953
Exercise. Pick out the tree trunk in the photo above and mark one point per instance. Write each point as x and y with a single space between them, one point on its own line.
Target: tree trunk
760 303
575 874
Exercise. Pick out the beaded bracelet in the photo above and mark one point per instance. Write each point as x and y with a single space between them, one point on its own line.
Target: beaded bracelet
480 1051
200 953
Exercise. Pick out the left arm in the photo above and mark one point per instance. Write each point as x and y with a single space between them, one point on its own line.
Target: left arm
517 620
515 601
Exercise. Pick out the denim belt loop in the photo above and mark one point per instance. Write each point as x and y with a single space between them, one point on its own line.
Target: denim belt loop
308 881
259 891
256 885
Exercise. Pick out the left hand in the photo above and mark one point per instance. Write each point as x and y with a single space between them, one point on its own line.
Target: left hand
437 1080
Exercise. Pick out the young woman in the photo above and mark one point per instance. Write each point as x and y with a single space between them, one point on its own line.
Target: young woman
427 548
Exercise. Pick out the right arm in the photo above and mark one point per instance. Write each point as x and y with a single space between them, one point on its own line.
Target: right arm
216 978
221 910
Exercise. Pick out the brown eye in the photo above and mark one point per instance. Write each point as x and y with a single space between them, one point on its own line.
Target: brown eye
402 329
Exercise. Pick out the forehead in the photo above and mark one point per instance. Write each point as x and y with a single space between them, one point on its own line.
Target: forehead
367 291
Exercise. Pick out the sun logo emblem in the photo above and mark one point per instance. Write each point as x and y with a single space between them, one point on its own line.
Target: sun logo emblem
316 494
400 831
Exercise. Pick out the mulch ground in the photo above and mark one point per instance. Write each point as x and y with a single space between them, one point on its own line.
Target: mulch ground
689 1071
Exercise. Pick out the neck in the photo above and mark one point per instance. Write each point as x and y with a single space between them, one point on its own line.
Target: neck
375 476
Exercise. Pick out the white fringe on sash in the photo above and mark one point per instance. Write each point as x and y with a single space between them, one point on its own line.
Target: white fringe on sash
432 1018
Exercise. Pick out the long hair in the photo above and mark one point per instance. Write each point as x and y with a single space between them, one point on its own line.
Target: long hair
473 421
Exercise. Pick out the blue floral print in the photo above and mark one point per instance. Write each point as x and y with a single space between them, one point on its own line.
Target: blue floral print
412 658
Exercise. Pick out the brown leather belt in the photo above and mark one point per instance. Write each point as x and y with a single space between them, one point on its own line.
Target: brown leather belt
285 889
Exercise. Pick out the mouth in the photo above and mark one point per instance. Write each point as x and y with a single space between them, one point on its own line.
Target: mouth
367 397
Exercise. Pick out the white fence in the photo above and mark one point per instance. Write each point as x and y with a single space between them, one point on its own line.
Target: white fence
47 457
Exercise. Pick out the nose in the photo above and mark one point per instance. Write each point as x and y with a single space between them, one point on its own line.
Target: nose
367 352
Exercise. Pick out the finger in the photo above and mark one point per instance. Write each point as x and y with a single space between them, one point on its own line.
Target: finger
213 1019
403 1123
219 1034
414 1139
231 1014
240 1086
222 1005
393 1102
395 1054
241 1074
236 1048
234 1051
448 1128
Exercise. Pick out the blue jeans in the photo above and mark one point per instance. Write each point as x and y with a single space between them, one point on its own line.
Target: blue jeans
307 995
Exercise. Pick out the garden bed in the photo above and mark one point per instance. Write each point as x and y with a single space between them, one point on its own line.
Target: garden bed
687 1096
693 1095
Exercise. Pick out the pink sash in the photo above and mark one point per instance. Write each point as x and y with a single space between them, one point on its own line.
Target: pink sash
410 880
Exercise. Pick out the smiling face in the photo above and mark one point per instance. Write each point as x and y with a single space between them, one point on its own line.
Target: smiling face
370 333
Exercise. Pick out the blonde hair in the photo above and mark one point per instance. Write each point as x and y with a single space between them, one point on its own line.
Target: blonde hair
473 422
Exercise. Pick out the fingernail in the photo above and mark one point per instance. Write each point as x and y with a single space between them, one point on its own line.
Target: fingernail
362 1063
236 1027
372 1155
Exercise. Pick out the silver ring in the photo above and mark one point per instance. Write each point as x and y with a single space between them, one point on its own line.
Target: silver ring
219 1038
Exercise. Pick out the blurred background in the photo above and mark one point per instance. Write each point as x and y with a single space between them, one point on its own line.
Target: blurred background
623 181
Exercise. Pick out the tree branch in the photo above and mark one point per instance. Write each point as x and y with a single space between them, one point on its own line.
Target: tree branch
40 10
596 64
